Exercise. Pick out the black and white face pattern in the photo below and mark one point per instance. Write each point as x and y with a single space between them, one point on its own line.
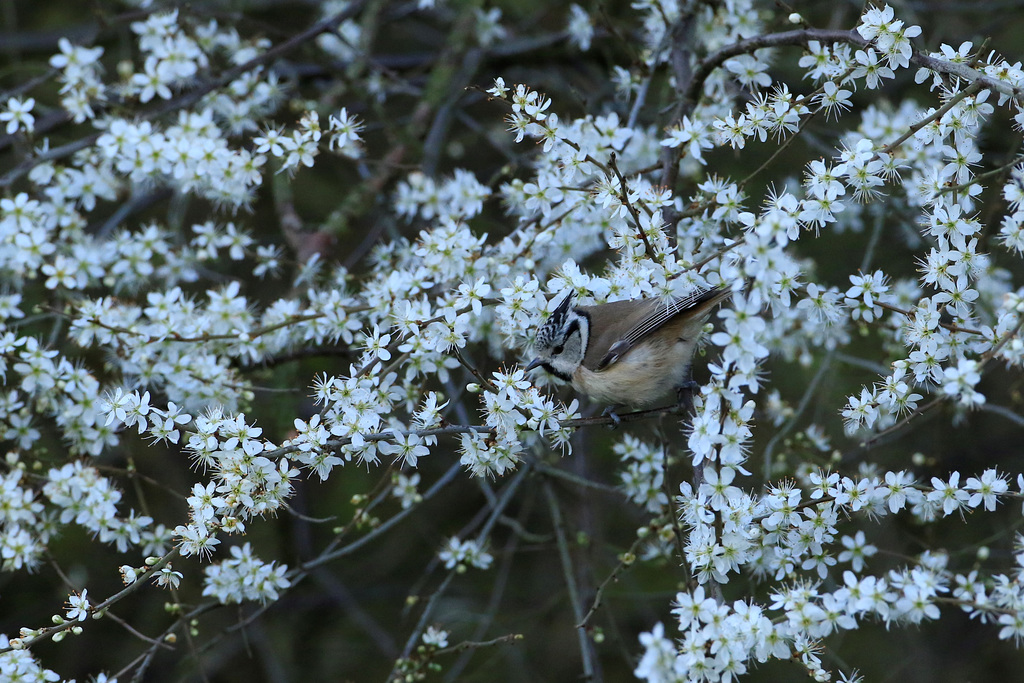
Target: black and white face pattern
562 341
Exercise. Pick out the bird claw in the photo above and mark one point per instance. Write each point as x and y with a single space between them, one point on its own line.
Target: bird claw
610 412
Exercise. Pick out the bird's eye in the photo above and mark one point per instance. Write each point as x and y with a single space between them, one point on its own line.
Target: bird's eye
558 349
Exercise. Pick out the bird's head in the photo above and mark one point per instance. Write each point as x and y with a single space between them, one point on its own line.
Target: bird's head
562 340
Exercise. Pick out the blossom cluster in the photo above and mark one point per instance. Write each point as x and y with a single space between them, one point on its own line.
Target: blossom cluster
463 553
787 532
245 577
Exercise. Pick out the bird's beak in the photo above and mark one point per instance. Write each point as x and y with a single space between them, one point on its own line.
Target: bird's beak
535 363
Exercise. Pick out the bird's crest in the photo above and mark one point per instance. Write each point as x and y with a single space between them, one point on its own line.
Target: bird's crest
549 331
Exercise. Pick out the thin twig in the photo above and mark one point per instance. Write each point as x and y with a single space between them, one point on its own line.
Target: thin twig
428 611
624 189
805 401
934 116
333 554
467 644
623 564
44 633
568 574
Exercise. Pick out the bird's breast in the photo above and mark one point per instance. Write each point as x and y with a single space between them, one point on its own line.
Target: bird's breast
643 378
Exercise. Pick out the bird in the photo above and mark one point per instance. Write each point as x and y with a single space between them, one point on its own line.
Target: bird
634 353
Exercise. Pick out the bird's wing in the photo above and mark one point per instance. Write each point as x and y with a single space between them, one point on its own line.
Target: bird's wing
696 306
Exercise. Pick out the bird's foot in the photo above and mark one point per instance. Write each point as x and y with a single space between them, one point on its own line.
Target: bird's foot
610 412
